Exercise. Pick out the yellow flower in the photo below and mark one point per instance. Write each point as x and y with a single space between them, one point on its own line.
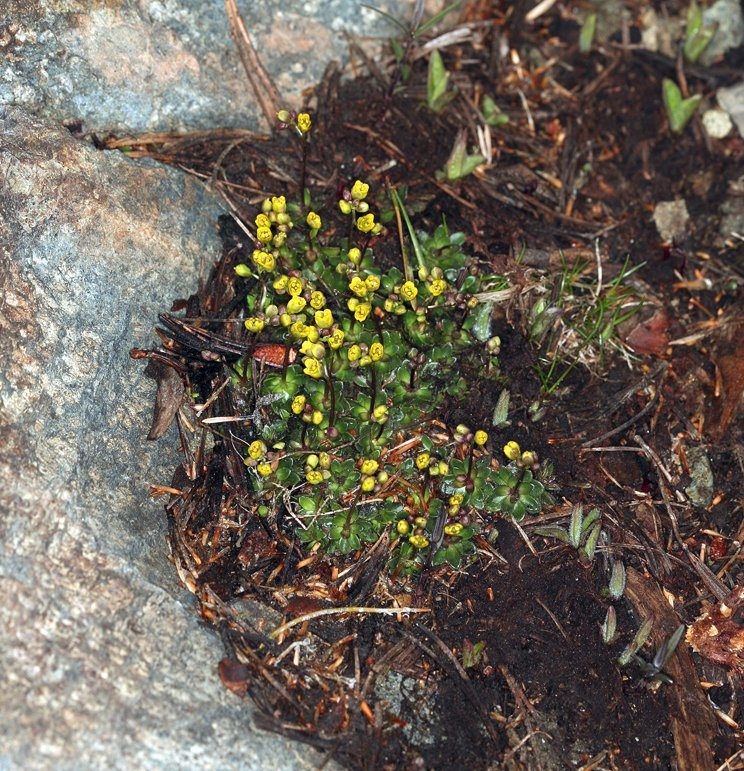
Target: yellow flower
312 334
324 319
256 449
345 206
359 190
355 255
437 287
314 477
313 220
254 324
362 311
298 404
454 529
264 260
369 466
422 460
265 469
380 414
376 351
312 367
297 329
280 284
529 458
456 499
317 417
419 541
409 291
512 451
354 353
480 438
304 124
336 340
262 221
366 223
278 204
368 484
294 286
317 300
296 304
372 282
403 527
358 286
264 235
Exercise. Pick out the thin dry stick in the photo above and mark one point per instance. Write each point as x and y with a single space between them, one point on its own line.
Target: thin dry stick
341 611
266 92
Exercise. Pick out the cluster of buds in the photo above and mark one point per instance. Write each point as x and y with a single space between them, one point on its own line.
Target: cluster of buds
526 459
290 119
362 355
259 458
352 202
317 468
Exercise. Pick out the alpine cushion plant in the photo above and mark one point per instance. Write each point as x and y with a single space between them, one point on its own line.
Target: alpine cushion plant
350 440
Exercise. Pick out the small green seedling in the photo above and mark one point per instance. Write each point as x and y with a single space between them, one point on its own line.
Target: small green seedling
698 37
472 654
652 670
414 30
492 113
582 533
679 110
460 163
609 626
617 580
586 36
636 643
437 94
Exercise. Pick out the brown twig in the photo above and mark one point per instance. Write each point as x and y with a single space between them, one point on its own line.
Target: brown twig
267 94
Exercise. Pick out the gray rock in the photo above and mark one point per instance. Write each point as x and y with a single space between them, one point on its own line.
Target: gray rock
103 661
728 15
731 99
671 219
169 65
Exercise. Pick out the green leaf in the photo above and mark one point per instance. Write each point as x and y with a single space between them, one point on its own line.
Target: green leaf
636 643
586 554
552 531
426 26
617 580
586 37
437 80
574 527
460 164
697 37
679 110
482 321
609 626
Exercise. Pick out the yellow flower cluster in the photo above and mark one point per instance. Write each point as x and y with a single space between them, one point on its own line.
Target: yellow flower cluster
362 355
317 467
353 203
302 122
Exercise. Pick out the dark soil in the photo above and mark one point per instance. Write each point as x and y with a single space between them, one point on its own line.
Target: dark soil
545 692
